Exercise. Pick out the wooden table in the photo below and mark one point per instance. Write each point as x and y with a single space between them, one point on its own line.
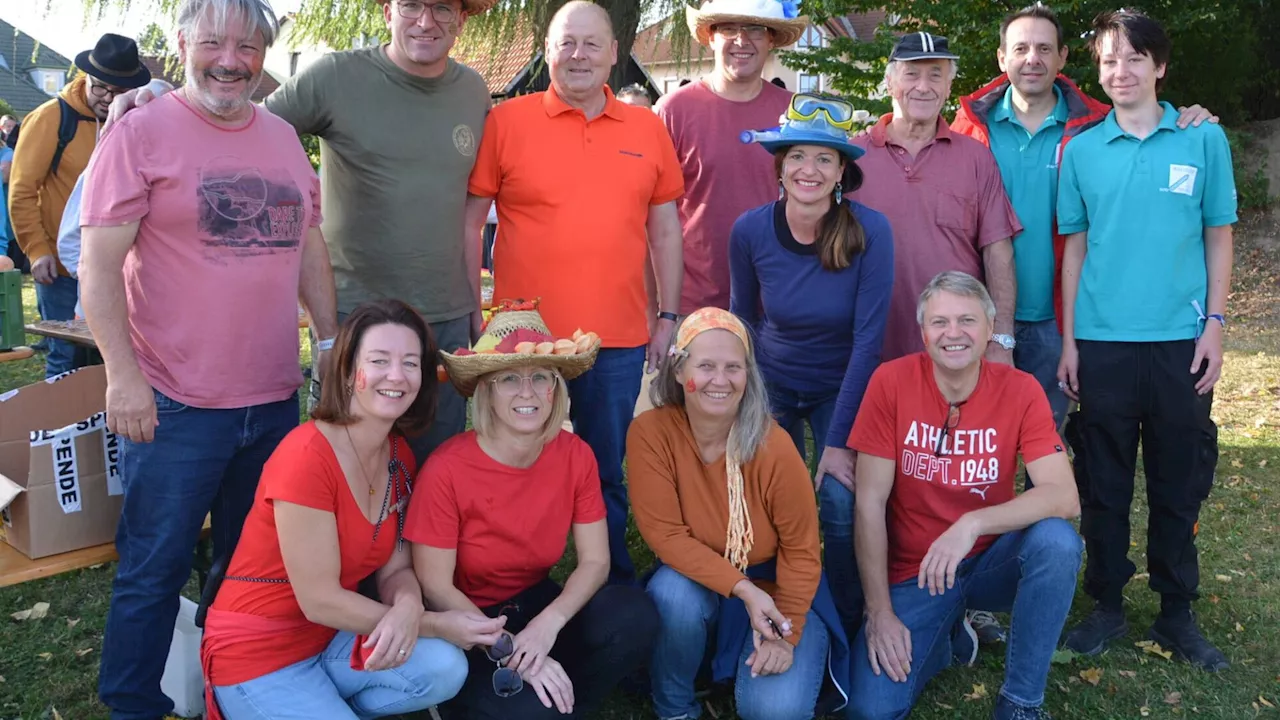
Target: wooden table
75 331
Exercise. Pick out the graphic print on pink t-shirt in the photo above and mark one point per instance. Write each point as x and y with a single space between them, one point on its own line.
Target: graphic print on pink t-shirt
246 213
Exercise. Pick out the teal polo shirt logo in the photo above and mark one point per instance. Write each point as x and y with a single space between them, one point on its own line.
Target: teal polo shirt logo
1182 179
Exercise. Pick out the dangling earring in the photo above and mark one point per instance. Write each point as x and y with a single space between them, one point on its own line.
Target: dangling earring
839 192
782 194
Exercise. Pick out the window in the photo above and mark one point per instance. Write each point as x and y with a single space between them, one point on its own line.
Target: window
809 83
293 63
669 84
812 38
49 81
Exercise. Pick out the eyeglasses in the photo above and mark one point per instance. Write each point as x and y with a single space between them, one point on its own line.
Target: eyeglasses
810 110
733 32
953 420
440 12
509 384
506 682
100 90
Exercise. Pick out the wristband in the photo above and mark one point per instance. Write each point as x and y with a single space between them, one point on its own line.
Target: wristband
668 316
324 345
1222 320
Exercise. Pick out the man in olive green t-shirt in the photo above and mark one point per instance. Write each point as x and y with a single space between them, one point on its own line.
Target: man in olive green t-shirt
399 126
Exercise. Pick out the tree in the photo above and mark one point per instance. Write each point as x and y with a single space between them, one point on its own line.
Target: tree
153 42
7 109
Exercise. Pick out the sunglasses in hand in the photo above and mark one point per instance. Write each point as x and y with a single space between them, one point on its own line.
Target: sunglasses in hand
506 681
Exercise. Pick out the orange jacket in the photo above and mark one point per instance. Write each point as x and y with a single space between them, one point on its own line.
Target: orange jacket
1083 112
36 197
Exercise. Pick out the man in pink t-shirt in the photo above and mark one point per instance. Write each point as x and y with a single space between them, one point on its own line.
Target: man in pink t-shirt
200 219
706 118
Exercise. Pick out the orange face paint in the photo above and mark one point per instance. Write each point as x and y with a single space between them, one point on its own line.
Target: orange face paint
690 387
362 382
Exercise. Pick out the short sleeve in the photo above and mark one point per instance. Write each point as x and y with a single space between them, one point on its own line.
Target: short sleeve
996 219
434 518
486 175
874 428
588 500
304 471
670 185
1072 214
1219 203
117 190
1038 436
301 100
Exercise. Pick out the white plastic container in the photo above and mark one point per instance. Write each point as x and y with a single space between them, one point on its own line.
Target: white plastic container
183 680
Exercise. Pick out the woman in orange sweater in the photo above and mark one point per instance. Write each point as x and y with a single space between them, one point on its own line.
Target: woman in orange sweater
723 498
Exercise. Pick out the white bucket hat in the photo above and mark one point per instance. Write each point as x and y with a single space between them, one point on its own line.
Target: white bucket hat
781 16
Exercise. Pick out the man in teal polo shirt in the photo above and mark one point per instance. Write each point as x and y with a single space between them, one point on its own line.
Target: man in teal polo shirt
1148 211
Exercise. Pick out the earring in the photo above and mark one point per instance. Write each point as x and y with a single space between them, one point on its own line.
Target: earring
839 192
782 194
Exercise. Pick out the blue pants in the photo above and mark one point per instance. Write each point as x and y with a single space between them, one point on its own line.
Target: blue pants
602 402
1038 351
689 612
57 301
201 461
1031 572
835 502
326 687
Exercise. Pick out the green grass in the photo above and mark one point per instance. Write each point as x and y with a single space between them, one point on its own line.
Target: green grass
1239 557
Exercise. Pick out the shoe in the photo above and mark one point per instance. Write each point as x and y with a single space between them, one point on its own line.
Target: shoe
964 642
987 626
1182 637
1093 633
1007 709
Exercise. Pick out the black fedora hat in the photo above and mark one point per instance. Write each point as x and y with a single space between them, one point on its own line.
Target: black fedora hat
114 61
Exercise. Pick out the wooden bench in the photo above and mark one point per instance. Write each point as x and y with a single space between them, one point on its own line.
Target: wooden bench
16 568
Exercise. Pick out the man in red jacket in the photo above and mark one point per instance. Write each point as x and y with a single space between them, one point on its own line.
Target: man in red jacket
1026 116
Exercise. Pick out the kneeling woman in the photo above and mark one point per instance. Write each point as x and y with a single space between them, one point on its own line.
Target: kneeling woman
492 514
288 635
721 495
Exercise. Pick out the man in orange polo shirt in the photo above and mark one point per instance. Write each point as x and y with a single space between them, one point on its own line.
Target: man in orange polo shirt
582 182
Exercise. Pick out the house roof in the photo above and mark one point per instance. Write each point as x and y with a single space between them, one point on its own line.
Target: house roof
175 76
499 61
858 26
21 54
653 44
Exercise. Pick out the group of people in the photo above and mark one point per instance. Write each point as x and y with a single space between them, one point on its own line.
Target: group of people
927 299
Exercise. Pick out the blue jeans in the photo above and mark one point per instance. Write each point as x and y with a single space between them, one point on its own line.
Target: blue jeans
57 301
835 503
1031 572
601 404
326 687
201 461
689 612
1038 351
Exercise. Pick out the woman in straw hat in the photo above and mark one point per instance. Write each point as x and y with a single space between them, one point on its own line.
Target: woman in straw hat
724 500
493 510
811 275
288 633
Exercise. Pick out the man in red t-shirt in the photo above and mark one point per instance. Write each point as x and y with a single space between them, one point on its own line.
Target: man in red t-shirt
938 526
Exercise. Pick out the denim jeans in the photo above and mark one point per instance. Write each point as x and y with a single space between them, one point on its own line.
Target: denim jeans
1031 572
1038 351
57 301
201 461
602 402
835 501
689 612
326 687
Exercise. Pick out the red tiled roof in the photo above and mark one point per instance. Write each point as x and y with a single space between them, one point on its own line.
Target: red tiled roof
859 26
653 45
499 61
176 76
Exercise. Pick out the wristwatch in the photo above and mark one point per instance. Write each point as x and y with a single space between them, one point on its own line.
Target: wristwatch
668 316
1005 341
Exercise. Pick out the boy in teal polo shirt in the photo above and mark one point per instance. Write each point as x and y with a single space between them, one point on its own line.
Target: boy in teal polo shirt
1148 212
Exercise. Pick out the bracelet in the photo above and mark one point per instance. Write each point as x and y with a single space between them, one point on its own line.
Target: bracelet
324 345
1222 320
668 316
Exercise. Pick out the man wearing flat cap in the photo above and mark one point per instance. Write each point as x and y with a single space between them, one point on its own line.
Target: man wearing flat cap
46 164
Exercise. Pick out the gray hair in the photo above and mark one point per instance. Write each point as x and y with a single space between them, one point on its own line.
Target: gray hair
891 69
257 13
634 89
956 283
750 428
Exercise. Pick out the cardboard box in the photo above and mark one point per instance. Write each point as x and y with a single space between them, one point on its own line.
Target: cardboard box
56 449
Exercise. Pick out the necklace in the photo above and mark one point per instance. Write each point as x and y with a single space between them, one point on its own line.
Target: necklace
363 472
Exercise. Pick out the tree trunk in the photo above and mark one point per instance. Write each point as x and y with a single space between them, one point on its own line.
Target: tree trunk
625 15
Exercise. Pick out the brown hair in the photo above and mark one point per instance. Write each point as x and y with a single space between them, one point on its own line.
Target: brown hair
840 235
335 393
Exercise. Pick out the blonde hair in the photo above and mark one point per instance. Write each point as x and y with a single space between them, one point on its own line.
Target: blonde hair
484 420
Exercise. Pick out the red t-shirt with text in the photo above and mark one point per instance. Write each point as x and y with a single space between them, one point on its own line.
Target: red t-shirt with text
902 418
509 525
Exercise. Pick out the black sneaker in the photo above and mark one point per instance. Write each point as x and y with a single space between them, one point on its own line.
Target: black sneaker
1007 709
1182 637
1093 633
986 626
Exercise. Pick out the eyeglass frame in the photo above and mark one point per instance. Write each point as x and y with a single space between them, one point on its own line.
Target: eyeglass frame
101 90
752 34
502 670
555 378
434 6
953 409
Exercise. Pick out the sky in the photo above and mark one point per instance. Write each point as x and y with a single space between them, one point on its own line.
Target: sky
61 25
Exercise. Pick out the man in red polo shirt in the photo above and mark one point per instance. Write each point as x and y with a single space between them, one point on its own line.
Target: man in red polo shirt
582 182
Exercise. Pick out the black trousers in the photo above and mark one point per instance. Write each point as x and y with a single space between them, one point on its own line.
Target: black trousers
610 637
1131 391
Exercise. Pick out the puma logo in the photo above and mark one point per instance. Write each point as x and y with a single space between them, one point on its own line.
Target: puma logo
980 491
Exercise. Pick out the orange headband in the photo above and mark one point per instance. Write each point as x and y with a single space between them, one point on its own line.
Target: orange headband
711 318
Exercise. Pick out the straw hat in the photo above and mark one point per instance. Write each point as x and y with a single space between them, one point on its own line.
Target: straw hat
466 369
781 16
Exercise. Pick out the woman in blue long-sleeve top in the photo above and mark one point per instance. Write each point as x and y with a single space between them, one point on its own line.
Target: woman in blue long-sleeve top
811 275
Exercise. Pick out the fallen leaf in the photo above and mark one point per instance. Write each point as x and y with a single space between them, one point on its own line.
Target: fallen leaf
72 622
1239 627
56 714
95 567
1144 711
21 615
1154 649
1 678
85 651
1142 576
1063 656
943 705
39 610
1131 674
979 692
1248 557
1093 676
1215 599
45 656
1264 701
1262 463
1222 578
1236 463
1173 698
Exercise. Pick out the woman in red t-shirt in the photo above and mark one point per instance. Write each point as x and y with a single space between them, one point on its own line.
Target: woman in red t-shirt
288 634
492 515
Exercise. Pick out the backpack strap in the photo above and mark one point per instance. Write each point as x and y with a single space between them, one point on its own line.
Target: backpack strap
68 123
